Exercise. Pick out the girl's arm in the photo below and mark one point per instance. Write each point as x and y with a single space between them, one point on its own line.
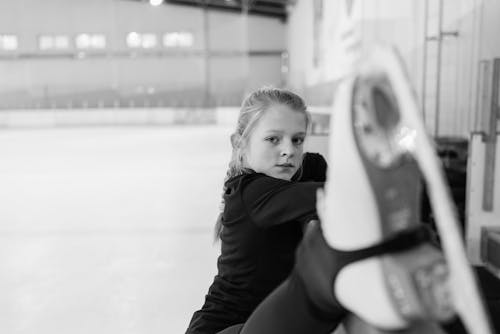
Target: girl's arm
270 201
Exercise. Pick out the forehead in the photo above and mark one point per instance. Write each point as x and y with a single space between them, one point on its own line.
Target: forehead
282 118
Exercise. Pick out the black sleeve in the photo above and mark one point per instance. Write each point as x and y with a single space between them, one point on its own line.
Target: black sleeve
314 168
270 201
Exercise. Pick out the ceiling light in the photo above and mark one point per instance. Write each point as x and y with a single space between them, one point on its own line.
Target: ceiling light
155 2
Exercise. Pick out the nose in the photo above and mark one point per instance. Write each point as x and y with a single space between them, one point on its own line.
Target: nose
288 148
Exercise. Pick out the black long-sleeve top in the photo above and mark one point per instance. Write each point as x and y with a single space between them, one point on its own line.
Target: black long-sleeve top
262 222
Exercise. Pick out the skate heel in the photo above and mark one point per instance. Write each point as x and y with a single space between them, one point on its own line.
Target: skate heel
418 284
404 288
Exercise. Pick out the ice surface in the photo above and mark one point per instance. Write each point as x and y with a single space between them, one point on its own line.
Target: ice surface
108 230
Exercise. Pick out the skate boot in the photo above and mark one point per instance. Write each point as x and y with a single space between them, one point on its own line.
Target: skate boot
379 152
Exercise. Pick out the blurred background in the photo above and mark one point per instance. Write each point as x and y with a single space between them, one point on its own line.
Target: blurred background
115 118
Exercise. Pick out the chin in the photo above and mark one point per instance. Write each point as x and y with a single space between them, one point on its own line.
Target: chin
283 176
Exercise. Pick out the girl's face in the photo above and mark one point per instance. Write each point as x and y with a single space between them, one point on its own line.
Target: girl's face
275 145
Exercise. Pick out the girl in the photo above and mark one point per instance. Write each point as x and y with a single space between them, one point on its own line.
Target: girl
271 277
269 196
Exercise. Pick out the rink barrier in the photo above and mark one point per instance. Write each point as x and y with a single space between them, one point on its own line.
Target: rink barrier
226 116
105 117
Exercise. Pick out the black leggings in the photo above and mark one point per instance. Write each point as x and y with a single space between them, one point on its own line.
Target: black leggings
304 302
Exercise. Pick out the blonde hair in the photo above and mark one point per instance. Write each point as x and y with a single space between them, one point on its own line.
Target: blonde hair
251 111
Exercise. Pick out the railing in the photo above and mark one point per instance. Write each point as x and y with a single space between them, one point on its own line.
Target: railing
123 97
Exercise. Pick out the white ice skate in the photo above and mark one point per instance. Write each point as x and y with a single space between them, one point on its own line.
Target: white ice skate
379 151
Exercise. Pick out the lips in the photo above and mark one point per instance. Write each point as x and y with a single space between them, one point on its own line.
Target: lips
285 165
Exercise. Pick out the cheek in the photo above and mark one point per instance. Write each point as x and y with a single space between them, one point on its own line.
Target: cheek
267 152
300 151
260 154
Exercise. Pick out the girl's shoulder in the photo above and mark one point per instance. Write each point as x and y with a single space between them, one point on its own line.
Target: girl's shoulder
246 178
253 183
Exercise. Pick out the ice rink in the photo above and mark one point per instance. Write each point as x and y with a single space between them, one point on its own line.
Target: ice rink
108 230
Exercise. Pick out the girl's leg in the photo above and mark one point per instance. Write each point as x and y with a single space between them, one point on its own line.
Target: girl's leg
304 302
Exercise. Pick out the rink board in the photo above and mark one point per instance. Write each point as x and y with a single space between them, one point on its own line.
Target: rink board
477 218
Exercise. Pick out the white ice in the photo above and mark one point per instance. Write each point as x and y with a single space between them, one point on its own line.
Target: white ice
107 230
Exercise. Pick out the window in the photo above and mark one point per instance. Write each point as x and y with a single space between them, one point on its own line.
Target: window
53 42
8 42
180 39
145 40
90 41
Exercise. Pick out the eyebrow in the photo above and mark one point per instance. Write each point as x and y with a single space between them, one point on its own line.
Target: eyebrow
281 131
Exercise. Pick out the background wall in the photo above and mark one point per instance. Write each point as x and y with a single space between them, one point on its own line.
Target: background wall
119 76
468 33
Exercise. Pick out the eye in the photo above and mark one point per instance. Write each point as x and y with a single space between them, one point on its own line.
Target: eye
298 140
273 139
